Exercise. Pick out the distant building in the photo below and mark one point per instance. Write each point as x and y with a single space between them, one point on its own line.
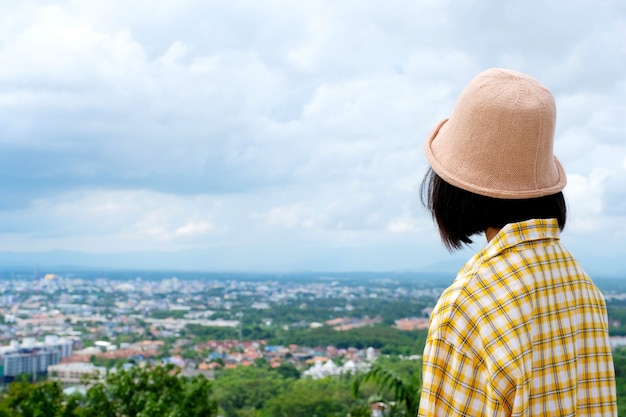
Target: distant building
32 357
329 368
617 341
378 408
414 323
73 373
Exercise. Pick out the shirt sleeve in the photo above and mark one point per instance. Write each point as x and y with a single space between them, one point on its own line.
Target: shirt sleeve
454 383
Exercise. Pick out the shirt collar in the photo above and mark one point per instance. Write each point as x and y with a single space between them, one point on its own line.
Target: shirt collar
513 234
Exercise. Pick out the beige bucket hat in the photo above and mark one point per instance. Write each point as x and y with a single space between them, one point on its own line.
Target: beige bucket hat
498 141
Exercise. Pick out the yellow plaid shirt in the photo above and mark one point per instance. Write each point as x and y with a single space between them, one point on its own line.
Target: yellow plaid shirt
522 331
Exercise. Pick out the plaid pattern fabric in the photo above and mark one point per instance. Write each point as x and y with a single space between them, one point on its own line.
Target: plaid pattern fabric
522 331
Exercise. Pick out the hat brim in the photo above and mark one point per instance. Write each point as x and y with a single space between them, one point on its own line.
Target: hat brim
448 174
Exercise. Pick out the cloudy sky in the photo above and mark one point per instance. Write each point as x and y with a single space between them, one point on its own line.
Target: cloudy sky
284 135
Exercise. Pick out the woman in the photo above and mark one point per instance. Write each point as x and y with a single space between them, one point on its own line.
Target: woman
522 331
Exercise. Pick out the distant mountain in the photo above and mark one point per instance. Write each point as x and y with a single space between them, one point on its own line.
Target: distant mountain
239 259
273 260
122 260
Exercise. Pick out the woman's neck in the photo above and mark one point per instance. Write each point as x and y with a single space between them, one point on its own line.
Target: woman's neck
491 232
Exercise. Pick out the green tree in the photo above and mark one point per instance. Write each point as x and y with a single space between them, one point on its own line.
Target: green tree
287 370
45 400
401 394
245 390
387 339
619 361
142 392
313 398
33 400
4 411
73 405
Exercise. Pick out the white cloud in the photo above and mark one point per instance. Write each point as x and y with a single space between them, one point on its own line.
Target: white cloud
402 226
584 197
296 215
267 123
192 229
128 218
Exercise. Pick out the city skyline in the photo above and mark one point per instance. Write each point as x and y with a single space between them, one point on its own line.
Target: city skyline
282 136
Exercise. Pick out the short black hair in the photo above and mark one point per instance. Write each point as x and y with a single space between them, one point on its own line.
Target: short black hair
459 214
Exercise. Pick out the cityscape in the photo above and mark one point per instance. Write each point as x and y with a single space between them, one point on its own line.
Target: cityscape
75 323
54 322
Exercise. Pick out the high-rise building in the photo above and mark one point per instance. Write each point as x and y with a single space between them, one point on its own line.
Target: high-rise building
32 357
